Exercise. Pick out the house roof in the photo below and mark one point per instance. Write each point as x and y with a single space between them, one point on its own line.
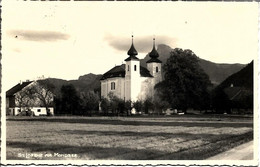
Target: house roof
119 71
17 88
236 93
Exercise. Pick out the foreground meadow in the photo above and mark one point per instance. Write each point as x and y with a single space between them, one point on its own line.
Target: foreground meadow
125 138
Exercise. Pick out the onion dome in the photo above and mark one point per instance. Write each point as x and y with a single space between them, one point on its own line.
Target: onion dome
154 55
132 52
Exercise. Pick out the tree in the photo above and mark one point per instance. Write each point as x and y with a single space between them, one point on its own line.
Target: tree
220 101
70 100
138 105
89 101
42 90
128 107
148 105
159 103
24 99
185 83
117 105
104 105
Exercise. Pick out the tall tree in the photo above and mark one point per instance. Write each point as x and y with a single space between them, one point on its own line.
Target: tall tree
70 100
89 101
185 83
104 105
24 99
160 104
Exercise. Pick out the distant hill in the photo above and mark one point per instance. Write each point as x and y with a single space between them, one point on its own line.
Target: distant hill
216 72
83 84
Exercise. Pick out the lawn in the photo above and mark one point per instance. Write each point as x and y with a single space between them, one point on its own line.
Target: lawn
125 138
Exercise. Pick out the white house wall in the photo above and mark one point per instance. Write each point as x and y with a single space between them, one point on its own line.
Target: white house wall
42 111
37 110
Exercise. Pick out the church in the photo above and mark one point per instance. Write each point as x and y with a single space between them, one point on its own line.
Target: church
131 81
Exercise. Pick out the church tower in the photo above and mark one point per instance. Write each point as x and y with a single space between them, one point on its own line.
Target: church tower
132 74
154 65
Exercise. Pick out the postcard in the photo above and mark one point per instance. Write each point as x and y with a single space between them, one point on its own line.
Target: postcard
129 83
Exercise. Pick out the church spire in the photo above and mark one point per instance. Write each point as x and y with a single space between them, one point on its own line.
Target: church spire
132 51
154 53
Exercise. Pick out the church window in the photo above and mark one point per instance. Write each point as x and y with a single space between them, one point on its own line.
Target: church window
128 68
113 85
157 70
135 67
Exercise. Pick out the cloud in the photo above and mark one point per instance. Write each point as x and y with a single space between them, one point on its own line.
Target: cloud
34 35
17 50
143 44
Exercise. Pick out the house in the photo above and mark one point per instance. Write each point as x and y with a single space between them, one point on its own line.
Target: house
131 81
22 98
240 98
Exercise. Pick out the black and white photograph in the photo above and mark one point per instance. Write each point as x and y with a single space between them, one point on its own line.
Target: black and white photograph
129 82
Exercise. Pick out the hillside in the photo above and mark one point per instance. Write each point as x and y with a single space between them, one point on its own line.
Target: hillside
216 72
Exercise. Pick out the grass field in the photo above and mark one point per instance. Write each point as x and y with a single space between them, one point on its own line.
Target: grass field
125 138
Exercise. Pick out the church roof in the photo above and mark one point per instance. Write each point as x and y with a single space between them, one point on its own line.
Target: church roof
119 71
154 55
17 88
132 52
154 60
131 58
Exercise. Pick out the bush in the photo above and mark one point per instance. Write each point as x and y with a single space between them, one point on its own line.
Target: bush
104 105
89 102
138 105
148 105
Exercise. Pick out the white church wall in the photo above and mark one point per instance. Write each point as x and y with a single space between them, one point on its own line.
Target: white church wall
146 88
156 73
117 89
132 80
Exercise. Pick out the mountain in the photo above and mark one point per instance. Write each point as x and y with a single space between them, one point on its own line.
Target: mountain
216 72
83 84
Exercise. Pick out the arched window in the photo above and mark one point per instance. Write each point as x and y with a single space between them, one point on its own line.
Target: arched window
113 85
157 70
135 67
128 68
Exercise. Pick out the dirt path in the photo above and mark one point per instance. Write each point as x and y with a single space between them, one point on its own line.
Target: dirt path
242 152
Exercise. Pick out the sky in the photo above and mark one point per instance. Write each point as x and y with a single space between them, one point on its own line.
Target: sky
68 39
